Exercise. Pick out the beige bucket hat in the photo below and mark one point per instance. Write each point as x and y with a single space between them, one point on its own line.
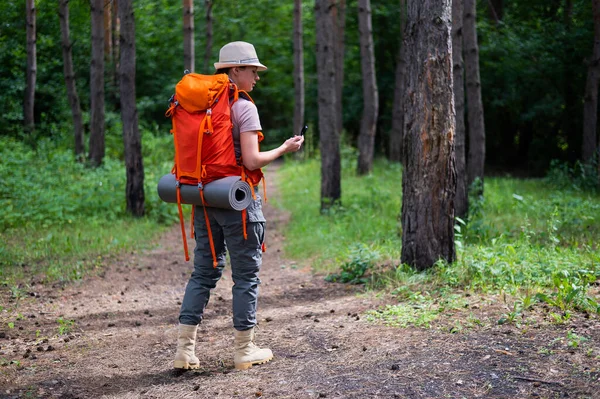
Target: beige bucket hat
236 54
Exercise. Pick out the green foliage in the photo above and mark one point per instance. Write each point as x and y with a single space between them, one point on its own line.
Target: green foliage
65 326
362 258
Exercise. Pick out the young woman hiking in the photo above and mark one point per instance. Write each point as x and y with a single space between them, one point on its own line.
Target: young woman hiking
240 62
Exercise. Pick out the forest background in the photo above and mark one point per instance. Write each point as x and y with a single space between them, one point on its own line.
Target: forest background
534 59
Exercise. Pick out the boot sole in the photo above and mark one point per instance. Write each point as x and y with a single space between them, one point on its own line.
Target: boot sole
180 364
246 366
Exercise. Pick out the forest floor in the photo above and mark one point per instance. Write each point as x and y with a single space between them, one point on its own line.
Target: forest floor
122 339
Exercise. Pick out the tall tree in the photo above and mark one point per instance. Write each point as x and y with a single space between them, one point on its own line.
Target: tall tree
329 136
476 157
209 35
396 133
496 10
461 201
339 33
368 126
31 73
298 68
429 177
63 13
97 142
108 31
189 54
134 167
590 105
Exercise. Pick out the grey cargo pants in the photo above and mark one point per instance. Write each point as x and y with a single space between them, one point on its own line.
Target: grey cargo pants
246 259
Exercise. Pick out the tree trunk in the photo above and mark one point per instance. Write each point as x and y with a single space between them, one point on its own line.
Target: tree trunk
397 132
108 31
429 178
116 32
476 157
496 10
571 110
31 74
329 138
298 68
63 13
590 104
188 35
134 166
461 201
339 20
97 149
209 35
368 127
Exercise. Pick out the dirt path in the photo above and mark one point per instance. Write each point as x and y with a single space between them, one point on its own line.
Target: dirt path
123 340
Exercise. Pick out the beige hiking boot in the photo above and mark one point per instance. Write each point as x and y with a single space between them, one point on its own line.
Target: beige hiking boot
185 358
248 354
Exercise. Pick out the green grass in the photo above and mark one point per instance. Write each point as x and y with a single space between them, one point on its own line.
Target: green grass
525 238
63 219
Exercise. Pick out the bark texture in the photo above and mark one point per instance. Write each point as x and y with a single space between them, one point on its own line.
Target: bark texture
329 139
397 132
476 127
461 201
429 177
209 36
590 105
134 167
368 126
298 68
339 21
188 35
31 72
63 14
97 145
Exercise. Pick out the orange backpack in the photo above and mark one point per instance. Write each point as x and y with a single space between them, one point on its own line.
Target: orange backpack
200 111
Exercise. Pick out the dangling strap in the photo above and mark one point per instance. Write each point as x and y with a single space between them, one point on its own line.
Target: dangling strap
185 246
208 229
264 182
192 221
244 213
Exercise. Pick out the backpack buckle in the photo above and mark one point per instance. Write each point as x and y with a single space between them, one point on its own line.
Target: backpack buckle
200 186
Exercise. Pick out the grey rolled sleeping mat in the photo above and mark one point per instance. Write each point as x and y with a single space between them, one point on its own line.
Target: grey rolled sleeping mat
228 193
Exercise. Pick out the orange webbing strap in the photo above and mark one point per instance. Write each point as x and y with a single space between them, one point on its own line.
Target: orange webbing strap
201 132
244 224
210 237
264 182
185 246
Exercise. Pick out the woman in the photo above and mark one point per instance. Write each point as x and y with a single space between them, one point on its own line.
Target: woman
240 62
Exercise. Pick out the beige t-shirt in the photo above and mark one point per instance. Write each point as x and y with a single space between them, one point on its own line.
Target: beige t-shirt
244 116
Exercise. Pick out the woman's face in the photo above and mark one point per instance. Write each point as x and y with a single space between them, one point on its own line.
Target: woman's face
245 77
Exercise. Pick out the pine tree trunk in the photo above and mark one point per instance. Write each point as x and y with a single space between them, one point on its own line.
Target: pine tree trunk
590 104
397 131
339 20
209 35
368 127
116 33
329 139
476 128
108 31
429 177
298 68
31 74
97 144
134 167
63 13
461 201
188 35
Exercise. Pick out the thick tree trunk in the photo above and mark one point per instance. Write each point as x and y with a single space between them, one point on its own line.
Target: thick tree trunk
63 13
571 110
134 166
188 35
329 139
339 20
429 178
368 127
97 149
298 68
116 32
461 201
396 134
31 73
108 31
209 35
476 157
590 104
